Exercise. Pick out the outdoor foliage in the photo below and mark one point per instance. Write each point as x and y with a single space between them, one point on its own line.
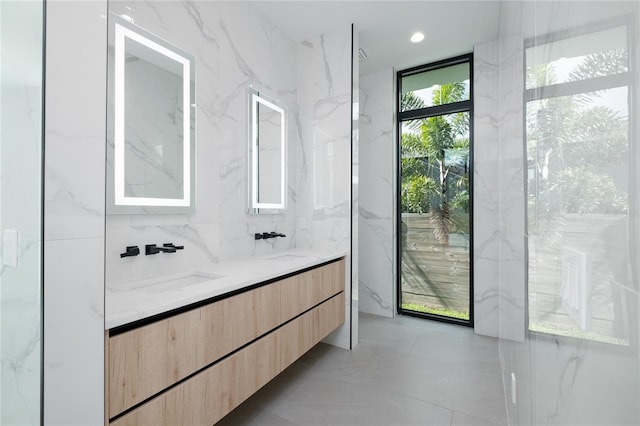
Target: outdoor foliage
435 161
575 145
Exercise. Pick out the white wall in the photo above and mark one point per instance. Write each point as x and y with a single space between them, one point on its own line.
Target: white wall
74 213
234 47
325 121
485 189
376 239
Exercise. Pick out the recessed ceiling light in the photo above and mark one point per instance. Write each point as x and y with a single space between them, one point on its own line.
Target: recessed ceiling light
417 37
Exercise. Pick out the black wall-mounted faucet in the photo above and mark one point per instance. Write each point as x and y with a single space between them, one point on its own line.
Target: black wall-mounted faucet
171 245
130 251
153 249
267 235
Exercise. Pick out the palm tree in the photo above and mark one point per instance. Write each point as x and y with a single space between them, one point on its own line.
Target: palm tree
578 140
431 159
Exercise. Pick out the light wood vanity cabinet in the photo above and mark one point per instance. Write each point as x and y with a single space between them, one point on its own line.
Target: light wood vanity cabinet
196 366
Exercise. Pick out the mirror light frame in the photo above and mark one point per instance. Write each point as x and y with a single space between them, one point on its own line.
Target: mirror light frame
255 204
121 33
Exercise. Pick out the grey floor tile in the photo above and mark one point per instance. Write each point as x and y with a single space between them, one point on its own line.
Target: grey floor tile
395 410
460 419
404 371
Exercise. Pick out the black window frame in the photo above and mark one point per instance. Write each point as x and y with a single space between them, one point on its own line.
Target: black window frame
434 111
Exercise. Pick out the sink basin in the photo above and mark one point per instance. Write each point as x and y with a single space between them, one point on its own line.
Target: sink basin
170 282
287 257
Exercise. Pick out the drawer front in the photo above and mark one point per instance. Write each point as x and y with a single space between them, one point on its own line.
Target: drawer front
146 360
303 291
302 334
207 397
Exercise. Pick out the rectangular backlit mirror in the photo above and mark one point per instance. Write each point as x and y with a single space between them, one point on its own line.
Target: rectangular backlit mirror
152 124
267 149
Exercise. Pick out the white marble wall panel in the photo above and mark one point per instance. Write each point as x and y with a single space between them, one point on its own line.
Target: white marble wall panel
234 47
74 332
325 123
74 213
376 204
511 212
485 191
20 212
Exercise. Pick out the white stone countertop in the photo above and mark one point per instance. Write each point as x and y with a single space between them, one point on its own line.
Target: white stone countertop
133 301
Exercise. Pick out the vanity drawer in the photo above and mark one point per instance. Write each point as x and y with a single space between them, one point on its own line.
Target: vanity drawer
207 397
148 359
303 291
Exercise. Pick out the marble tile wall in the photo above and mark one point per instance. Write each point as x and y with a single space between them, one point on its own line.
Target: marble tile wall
559 380
376 231
511 187
234 47
328 189
74 213
20 210
485 191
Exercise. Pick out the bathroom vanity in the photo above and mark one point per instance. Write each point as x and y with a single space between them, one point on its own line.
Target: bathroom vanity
177 361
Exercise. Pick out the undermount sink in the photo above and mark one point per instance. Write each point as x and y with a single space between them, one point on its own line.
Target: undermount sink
169 282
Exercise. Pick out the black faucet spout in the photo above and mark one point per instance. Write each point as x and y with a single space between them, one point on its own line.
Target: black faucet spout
153 249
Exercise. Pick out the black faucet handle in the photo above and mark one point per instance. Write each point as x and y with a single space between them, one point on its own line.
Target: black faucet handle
258 236
171 245
151 249
130 251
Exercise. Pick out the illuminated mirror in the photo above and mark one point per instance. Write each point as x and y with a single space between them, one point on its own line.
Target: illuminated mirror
267 148
152 124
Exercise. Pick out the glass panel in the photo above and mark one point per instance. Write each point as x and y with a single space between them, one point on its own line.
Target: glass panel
578 58
437 87
578 181
20 211
435 250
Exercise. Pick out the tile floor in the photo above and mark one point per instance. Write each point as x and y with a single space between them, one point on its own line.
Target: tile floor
405 371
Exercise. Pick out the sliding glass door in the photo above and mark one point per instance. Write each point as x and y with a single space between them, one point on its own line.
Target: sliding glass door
434 206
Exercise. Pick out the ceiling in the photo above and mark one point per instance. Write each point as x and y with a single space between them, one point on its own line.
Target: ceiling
451 27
